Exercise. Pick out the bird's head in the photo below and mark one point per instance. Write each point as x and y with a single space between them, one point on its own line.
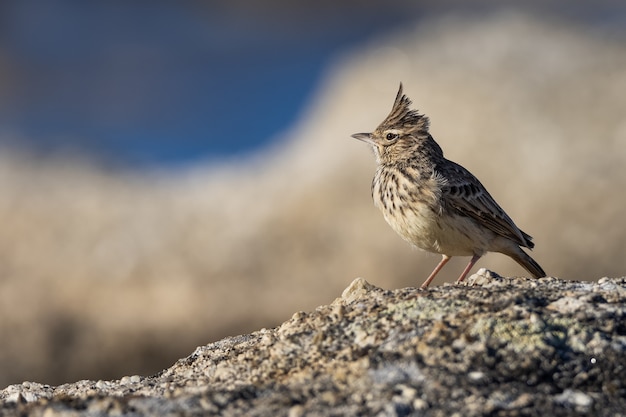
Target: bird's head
399 133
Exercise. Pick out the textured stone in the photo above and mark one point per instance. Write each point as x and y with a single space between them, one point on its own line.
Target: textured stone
496 345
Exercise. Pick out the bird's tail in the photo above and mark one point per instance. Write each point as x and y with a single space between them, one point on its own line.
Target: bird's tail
525 261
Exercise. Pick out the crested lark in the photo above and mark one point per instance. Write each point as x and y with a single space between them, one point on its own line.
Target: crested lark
436 204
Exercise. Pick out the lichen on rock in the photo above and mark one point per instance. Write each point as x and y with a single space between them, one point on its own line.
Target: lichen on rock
533 347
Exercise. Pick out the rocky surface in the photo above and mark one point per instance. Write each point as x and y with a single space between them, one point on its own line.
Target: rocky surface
496 346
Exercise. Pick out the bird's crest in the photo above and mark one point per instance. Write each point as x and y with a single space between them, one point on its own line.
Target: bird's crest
403 117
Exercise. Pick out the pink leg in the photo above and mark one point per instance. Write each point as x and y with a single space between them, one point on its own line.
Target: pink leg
469 266
443 261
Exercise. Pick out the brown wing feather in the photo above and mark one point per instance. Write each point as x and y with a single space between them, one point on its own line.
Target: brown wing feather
466 195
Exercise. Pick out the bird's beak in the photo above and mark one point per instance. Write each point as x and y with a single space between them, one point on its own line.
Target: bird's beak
365 137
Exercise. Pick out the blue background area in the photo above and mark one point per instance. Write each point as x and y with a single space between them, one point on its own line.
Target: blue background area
166 83
170 82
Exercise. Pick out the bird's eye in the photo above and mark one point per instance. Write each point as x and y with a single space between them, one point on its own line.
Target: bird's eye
392 136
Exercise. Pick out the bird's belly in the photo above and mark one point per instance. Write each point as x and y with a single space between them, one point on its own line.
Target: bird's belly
428 230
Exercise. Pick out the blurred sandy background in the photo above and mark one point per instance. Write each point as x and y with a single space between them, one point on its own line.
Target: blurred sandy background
108 272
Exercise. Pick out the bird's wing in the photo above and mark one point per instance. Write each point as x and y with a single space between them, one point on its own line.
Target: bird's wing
464 194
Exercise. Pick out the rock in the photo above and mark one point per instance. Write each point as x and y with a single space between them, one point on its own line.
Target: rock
497 345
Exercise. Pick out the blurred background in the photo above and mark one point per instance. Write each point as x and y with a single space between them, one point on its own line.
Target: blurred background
173 173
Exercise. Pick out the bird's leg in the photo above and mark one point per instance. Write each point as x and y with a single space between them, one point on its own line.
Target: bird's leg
469 266
444 260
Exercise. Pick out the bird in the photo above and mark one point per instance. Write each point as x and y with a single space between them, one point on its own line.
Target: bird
436 204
